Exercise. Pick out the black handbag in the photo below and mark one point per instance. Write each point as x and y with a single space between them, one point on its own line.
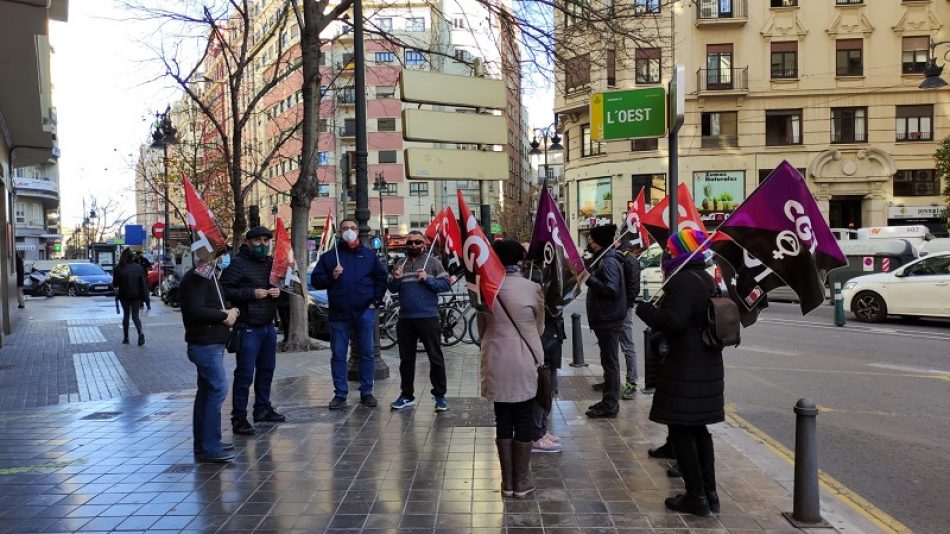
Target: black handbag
235 338
545 395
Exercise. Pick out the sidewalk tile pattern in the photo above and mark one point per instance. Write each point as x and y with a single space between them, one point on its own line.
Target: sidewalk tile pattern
100 376
79 335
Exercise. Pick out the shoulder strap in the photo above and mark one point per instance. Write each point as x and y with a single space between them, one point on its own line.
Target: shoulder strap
712 290
513 323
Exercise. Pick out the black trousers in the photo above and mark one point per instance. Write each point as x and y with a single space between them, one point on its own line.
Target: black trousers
693 448
608 339
130 307
409 332
515 420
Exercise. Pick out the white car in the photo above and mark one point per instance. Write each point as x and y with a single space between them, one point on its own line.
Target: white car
920 288
651 275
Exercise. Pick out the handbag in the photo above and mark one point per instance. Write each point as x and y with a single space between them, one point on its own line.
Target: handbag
545 395
235 338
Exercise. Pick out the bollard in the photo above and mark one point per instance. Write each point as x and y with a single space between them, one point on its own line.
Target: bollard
805 507
577 342
839 305
646 293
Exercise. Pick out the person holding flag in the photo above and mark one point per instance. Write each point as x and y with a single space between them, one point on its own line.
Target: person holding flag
418 280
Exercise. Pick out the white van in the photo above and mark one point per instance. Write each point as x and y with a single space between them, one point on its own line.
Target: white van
916 234
934 246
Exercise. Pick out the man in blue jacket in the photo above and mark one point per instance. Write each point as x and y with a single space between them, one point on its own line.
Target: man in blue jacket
355 281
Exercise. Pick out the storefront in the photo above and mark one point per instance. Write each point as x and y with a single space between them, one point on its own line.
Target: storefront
717 194
933 217
594 206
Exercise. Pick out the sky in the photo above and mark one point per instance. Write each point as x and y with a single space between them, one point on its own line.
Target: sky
106 89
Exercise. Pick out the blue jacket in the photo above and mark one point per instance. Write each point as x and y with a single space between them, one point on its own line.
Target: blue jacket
420 300
362 283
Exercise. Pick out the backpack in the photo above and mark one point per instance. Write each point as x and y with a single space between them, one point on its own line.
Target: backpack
631 276
723 327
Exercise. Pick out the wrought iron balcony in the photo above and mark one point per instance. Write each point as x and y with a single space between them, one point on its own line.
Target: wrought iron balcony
735 79
722 12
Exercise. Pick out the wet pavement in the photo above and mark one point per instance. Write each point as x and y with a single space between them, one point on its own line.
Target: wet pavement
105 451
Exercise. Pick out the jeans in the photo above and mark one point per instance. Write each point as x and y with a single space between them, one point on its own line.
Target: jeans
131 307
609 341
362 328
514 419
628 348
409 332
212 389
256 360
693 448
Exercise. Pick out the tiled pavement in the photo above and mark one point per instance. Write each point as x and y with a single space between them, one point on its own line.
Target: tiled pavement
125 464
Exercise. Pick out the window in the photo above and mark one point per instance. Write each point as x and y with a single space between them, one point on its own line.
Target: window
385 24
385 57
848 2
644 145
323 158
347 95
935 266
322 125
783 127
458 23
611 67
385 92
849 125
916 183
392 221
646 6
461 54
720 129
417 24
648 65
566 142
577 73
716 9
848 57
347 61
784 3
719 66
387 156
386 125
418 189
574 11
418 221
588 146
914 54
349 127
323 190
390 190
915 123
784 60
415 57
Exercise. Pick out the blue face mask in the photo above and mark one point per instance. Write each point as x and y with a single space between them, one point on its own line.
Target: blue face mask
224 261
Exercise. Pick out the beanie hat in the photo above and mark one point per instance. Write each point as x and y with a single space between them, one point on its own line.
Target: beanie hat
258 231
603 235
685 242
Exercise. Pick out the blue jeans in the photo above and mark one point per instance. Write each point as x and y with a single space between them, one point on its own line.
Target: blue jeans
212 389
362 328
256 360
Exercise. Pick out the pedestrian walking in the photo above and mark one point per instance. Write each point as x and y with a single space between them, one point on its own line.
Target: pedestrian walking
146 266
418 280
207 326
131 287
355 280
631 283
246 284
689 392
19 281
606 313
511 353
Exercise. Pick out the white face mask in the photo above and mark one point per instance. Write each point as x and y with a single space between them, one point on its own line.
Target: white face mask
349 235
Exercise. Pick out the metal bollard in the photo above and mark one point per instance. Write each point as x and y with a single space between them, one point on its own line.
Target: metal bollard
805 506
577 342
646 294
839 305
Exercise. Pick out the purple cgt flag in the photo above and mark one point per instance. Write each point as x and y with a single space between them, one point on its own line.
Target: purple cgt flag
554 252
780 225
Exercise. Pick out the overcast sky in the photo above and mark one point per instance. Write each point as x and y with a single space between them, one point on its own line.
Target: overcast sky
105 93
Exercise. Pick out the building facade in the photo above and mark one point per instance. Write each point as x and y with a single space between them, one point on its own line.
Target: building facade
36 211
829 85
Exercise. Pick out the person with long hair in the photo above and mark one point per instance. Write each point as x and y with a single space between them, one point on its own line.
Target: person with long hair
131 286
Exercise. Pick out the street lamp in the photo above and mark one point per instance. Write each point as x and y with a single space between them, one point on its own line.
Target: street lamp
548 133
163 135
380 185
932 71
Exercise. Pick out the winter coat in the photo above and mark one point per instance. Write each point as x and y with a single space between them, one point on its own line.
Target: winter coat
631 276
606 296
245 274
689 390
130 282
201 310
509 369
362 283
19 271
420 300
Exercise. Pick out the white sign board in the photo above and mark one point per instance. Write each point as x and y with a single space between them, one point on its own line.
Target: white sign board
869 264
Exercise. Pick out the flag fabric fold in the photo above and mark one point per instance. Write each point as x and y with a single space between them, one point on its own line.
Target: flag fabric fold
484 272
284 267
632 222
553 251
657 220
327 240
446 240
210 241
747 280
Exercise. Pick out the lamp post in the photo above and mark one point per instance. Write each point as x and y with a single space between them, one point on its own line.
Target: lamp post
552 143
380 185
163 135
932 71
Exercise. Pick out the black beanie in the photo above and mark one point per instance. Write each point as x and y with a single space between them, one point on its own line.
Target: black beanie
603 235
258 231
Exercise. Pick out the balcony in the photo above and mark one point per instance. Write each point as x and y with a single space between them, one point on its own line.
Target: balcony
722 12
346 99
731 80
720 141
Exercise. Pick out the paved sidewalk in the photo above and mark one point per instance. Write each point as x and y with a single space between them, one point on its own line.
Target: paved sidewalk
125 463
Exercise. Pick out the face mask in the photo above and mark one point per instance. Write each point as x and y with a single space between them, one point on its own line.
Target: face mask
260 251
349 235
224 261
413 252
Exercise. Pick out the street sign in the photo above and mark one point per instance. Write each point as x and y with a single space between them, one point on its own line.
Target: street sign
158 230
438 127
633 114
451 90
134 234
868 264
435 164
677 97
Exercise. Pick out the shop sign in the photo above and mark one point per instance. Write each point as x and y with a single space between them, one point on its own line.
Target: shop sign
916 212
718 193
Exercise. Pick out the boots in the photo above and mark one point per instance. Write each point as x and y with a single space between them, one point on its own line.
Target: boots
521 451
504 458
125 336
688 504
141 339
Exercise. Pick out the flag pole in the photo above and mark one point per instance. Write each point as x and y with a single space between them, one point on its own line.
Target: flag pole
613 245
659 292
429 255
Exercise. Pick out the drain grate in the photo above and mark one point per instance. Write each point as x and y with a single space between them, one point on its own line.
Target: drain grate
101 416
576 388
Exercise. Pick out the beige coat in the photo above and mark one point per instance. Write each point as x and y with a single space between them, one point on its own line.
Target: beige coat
509 371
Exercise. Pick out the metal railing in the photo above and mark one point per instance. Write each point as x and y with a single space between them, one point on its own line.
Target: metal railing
731 79
709 10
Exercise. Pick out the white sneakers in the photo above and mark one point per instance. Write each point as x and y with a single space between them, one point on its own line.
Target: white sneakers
547 443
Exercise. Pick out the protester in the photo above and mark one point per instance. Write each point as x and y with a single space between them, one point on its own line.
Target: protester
606 313
511 353
140 259
552 339
19 280
131 287
418 280
355 281
689 392
631 282
207 323
246 283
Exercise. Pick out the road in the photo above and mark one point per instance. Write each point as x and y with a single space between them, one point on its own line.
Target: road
883 393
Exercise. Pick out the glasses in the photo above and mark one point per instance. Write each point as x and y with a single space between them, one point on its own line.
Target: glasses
414 242
349 228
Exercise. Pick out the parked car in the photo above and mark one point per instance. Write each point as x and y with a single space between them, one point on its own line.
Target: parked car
651 275
154 276
318 321
920 288
80 279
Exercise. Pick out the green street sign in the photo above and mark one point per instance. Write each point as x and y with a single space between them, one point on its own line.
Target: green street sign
633 114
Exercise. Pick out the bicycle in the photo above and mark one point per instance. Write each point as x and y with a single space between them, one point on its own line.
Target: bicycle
388 316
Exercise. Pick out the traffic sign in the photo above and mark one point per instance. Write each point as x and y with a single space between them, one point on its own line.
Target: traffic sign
435 164
158 230
677 97
633 114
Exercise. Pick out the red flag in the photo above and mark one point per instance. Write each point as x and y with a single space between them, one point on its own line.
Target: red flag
634 216
326 240
656 221
444 233
284 266
210 242
483 270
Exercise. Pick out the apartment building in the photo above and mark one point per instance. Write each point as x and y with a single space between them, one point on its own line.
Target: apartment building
36 211
829 85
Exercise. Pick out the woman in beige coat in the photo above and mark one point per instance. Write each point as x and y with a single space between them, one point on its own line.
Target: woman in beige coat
511 353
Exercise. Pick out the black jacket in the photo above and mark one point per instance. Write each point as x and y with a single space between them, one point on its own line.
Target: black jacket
240 279
130 282
201 311
19 271
689 390
631 276
606 296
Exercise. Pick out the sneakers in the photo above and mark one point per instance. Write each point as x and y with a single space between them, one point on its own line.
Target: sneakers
599 411
600 386
552 438
338 403
222 457
629 391
440 405
269 416
402 402
543 445
241 427
369 401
